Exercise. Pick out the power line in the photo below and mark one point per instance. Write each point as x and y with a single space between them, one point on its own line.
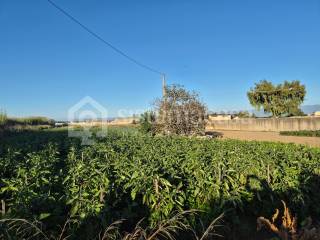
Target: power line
104 41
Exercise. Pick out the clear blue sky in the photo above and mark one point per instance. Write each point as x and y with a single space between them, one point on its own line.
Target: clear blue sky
218 48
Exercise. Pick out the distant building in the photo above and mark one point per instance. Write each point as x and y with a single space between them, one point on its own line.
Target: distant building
219 117
61 124
124 121
316 114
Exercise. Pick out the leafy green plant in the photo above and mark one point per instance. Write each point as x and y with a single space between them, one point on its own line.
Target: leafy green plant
48 177
87 184
147 122
31 188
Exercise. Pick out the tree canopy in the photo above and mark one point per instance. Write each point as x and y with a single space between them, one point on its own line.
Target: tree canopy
180 112
279 100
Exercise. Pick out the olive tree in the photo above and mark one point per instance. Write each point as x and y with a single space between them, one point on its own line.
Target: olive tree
180 112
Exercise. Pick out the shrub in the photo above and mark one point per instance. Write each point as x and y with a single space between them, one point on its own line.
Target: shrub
181 112
31 121
243 114
147 122
305 133
3 118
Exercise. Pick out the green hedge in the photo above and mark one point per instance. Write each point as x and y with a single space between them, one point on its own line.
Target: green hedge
304 133
29 121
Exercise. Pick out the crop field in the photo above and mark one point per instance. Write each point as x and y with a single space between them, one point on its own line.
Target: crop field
65 189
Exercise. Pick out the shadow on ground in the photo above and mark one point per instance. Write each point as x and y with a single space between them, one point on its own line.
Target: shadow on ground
214 134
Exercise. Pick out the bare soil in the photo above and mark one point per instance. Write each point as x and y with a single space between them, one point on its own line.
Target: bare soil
267 136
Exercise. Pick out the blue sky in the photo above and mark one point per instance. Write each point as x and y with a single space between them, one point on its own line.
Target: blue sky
218 48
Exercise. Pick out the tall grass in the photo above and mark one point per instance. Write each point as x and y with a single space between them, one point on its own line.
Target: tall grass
24 123
32 121
3 118
17 123
169 229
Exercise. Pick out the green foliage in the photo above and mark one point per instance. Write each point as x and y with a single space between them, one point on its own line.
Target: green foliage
31 121
243 114
3 118
279 100
31 186
147 122
19 124
87 183
133 176
304 133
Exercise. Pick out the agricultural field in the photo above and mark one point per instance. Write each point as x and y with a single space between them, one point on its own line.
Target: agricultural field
52 187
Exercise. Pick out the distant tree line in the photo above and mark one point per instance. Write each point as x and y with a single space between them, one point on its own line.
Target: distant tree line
8 122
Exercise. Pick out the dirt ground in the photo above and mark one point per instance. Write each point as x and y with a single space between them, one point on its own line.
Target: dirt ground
269 136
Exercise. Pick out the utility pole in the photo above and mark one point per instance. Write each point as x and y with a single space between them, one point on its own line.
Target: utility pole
164 101
164 85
